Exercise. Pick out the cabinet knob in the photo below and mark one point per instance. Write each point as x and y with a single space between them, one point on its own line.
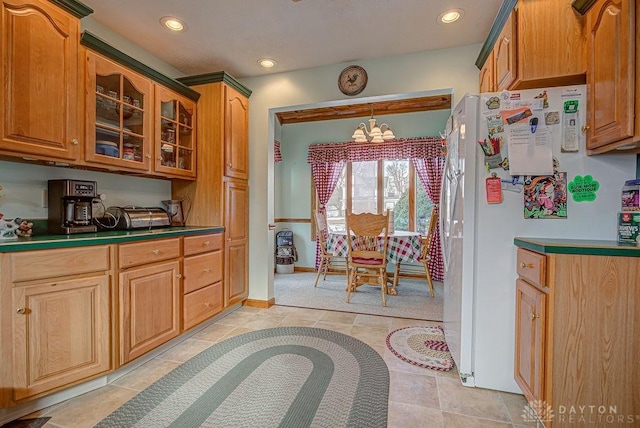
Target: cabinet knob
229 165
148 155
228 239
206 243
585 128
179 276
159 158
534 316
524 265
21 311
156 252
74 141
207 270
207 304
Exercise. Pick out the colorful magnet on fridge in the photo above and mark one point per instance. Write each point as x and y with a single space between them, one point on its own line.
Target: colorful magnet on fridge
534 124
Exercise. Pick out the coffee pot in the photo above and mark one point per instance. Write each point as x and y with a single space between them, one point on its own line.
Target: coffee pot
176 210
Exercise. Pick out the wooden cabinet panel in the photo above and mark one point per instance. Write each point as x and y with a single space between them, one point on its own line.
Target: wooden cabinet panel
39 100
41 264
236 138
486 77
118 116
141 253
612 75
202 304
530 340
504 53
175 138
150 308
202 243
236 252
201 270
60 334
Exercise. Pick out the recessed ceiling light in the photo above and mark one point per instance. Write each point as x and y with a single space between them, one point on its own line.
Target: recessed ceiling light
451 15
267 62
173 24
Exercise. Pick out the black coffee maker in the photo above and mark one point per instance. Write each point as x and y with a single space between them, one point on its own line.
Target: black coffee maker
70 206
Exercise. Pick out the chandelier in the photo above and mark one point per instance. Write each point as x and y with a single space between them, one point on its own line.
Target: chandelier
377 133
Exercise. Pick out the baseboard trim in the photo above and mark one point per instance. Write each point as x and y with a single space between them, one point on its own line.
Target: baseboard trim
263 304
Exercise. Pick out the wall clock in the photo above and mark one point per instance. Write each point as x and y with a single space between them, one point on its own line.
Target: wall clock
352 80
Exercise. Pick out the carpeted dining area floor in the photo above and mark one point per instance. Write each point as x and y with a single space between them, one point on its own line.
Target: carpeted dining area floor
413 300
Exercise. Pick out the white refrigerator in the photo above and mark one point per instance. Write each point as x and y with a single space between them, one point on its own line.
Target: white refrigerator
477 236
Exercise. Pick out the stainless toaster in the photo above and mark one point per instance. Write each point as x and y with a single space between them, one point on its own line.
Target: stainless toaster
132 217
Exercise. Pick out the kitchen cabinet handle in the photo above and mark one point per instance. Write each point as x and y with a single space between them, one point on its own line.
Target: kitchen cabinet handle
207 304
179 276
156 252
207 270
534 316
228 239
74 141
148 156
229 165
206 243
21 311
524 265
585 128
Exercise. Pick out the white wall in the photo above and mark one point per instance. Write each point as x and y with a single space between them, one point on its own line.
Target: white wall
293 174
447 68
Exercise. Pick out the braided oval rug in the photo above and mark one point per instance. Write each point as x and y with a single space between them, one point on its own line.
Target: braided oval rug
277 377
421 346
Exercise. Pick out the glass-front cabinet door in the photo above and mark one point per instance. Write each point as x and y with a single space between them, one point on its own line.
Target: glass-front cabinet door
175 148
119 115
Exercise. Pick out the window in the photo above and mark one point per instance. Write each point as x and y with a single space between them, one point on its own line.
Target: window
374 186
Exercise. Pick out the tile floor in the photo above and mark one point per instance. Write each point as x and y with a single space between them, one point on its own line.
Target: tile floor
418 397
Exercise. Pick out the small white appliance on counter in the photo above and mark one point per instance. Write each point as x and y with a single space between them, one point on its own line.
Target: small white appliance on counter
477 236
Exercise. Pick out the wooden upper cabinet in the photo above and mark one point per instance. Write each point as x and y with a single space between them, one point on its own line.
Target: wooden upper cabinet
551 44
612 76
39 100
504 54
236 138
119 110
486 76
175 124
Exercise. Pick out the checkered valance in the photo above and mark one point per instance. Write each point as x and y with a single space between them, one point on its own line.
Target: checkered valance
277 155
400 149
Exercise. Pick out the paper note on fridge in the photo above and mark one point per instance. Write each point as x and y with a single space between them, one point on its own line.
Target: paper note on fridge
530 153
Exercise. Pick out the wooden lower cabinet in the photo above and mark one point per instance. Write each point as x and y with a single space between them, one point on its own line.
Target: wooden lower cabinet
149 307
236 249
577 328
61 334
530 326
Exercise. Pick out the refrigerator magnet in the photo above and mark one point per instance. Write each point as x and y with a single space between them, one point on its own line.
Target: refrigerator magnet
494 189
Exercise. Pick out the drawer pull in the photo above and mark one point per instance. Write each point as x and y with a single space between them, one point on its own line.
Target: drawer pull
21 311
534 316
179 276
524 265
207 304
156 252
206 243
207 270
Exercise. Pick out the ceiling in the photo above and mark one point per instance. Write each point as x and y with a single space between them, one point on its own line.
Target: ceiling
231 35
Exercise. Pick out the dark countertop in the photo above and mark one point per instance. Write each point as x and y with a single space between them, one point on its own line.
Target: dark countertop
40 242
578 246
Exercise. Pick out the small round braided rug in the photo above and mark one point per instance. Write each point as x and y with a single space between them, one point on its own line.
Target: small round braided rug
421 346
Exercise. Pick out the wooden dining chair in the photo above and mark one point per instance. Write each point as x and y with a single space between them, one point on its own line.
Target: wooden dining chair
322 234
427 241
367 259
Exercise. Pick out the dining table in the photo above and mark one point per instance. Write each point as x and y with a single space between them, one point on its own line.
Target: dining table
402 247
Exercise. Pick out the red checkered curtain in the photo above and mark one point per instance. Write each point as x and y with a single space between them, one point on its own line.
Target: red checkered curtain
277 155
429 171
325 176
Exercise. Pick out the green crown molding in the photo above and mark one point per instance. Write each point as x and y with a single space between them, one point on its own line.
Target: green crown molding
582 6
503 14
74 7
100 46
218 76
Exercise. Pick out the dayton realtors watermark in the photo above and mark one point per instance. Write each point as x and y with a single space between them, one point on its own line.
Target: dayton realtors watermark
597 415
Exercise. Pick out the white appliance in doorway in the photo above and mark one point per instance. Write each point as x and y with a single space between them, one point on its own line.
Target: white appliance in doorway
477 237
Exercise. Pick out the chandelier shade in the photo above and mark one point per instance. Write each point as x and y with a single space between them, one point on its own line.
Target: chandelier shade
377 133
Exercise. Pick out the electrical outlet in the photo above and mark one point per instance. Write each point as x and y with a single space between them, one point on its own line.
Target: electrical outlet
45 198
